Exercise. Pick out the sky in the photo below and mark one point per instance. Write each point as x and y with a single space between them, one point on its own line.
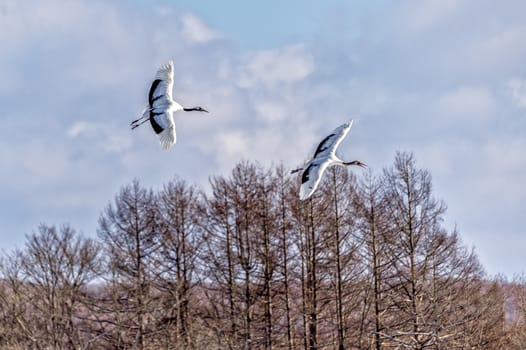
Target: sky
444 79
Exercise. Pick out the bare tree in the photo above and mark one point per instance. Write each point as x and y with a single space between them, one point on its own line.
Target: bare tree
50 277
130 233
180 211
18 330
250 192
414 216
515 312
219 274
431 295
308 218
343 270
242 245
374 236
360 264
286 257
265 221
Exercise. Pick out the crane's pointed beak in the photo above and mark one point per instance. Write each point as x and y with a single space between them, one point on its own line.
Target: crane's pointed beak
362 165
356 162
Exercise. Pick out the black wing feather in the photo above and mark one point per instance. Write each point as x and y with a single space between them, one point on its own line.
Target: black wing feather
321 146
156 127
306 173
155 83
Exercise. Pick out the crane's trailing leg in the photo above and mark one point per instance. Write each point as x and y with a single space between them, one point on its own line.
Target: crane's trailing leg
138 122
296 170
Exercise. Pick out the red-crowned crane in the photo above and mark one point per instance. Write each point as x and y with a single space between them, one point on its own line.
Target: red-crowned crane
324 156
161 107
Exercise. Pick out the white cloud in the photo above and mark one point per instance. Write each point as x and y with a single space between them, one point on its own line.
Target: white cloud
267 145
499 50
271 67
423 15
81 128
428 73
481 184
196 30
272 111
33 162
479 178
450 40
503 161
517 90
107 136
466 104
230 147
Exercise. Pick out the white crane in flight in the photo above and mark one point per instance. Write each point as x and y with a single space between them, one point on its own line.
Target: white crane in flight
161 107
324 156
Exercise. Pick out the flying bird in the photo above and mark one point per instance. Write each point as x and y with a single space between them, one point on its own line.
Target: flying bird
161 107
324 156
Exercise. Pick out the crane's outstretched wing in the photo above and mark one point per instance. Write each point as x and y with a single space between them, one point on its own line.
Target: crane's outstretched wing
311 177
159 100
164 127
329 144
161 89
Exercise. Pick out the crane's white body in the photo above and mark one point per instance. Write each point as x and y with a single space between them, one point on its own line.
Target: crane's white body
324 156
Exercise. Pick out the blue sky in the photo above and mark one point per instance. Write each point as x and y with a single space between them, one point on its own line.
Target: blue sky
444 79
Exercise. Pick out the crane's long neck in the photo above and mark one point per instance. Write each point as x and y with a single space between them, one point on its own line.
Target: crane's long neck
197 109
354 162
338 161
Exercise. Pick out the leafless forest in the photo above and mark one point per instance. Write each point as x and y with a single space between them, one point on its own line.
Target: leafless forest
366 263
